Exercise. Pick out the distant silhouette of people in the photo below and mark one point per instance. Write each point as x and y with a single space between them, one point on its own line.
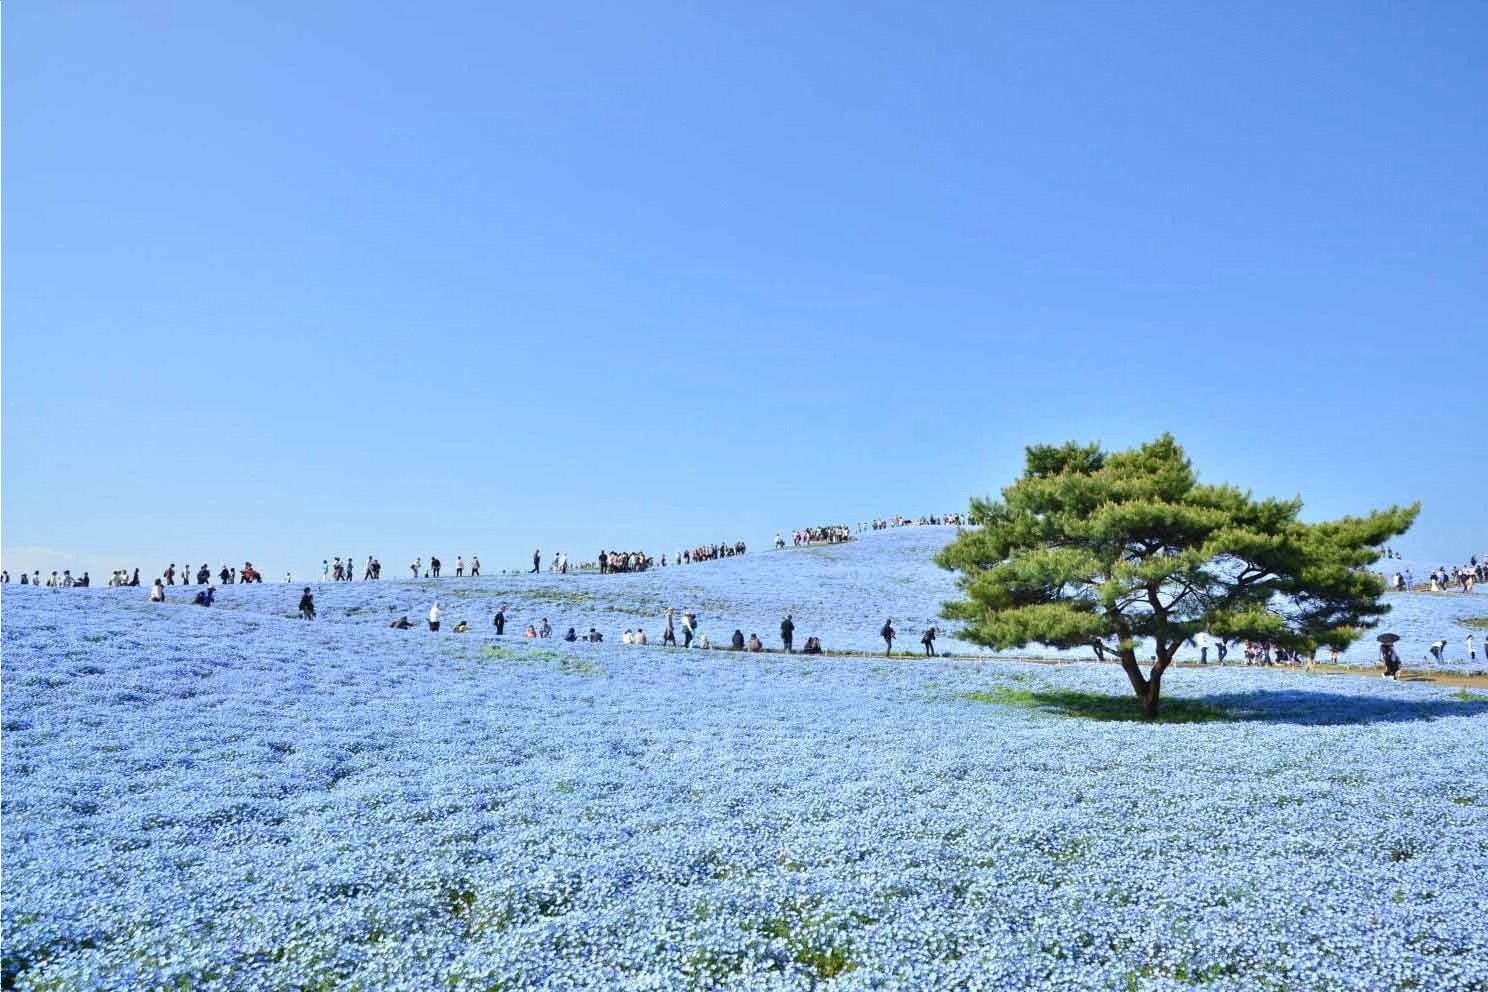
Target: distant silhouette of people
536 561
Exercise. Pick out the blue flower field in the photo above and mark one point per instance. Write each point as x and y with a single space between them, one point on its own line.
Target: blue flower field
231 798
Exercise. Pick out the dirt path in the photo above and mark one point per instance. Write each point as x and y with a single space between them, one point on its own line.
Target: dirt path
1460 680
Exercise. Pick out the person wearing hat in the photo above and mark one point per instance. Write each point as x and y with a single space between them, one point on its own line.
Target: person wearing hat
307 605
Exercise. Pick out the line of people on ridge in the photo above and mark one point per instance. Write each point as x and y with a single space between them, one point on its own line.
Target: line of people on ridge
431 570
827 534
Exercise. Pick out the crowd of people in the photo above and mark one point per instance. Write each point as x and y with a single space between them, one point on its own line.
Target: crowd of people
1464 577
828 534
933 520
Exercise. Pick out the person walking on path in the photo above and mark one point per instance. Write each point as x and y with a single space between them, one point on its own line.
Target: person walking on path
536 561
928 639
787 632
474 565
1472 650
887 633
689 625
1391 661
434 616
1221 648
307 604
500 620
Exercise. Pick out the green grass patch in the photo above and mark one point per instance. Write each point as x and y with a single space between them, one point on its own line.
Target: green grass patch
1477 623
1097 706
1463 696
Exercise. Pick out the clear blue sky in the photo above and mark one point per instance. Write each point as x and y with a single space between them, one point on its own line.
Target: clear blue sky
337 278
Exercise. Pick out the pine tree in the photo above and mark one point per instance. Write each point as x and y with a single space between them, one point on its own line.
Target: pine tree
1113 549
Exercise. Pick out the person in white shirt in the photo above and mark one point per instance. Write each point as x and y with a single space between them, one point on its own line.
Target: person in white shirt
627 638
434 616
157 592
1202 640
640 637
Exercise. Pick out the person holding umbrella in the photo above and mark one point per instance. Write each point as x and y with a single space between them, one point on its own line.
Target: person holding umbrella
1388 657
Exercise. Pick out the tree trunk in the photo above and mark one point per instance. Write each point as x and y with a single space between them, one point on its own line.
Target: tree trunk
1147 687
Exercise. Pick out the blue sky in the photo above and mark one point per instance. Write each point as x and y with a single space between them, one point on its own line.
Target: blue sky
471 278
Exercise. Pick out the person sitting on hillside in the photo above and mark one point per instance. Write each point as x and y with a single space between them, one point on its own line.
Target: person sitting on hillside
640 636
571 636
736 643
307 604
755 644
461 627
545 629
627 637
85 582
401 623
157 592
813 646
595 637
704 643
530 632
206 596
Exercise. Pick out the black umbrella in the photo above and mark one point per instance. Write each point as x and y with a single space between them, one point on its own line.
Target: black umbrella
1388 638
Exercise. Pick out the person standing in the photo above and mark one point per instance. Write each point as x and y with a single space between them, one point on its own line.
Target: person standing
434 566
787 632
459 567
434 616
500 621
1391 661
1472 650
887 633
307 604
1203 642
536 561
928 639
669 635
563 563
1436 649
170 574
474 566
415 565
367 575
689 626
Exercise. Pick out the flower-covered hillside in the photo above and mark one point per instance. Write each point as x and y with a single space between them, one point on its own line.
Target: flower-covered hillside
232 799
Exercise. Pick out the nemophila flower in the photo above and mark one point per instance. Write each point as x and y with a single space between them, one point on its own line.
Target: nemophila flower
232 799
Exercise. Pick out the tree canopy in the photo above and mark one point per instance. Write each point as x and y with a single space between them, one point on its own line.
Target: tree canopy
1116 550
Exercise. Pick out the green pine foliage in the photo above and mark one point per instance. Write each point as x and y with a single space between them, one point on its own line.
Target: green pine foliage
1092 547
